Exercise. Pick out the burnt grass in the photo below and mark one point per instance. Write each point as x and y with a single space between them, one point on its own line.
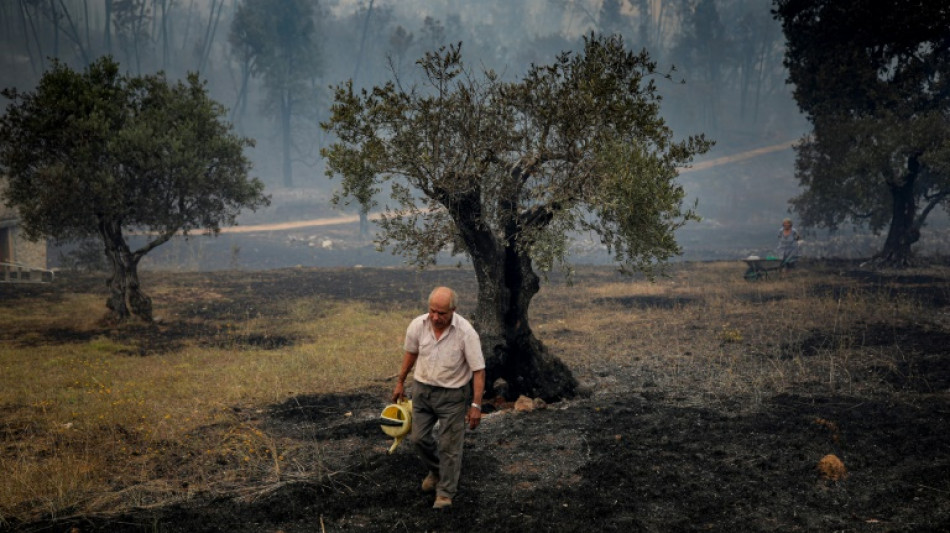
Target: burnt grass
637 457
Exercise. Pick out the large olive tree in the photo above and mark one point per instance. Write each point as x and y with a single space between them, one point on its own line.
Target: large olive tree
505 172
97 153
874 80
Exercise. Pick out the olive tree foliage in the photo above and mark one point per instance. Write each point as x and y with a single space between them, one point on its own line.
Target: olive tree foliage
505 173
874 80
100 154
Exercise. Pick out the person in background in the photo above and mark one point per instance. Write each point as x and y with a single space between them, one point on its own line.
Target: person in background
788 243
449 383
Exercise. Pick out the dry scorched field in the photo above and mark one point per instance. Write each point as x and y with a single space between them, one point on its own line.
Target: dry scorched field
814 401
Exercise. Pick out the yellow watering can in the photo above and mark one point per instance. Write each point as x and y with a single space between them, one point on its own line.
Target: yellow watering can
396 421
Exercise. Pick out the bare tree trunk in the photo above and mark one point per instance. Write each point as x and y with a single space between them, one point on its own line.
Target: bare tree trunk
116 283
108 26
213 19
85 17
125 294
359 55
137 28
31 24
27 23
506 284
903 231
364 223
187 33
54 18
240 107
139 303
164 32
73 33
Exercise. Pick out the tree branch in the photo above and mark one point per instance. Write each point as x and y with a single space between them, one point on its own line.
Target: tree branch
538 216
932 202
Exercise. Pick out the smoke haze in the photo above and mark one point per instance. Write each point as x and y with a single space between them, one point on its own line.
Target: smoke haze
727 53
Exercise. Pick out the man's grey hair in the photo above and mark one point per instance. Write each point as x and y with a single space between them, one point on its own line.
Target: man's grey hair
453 297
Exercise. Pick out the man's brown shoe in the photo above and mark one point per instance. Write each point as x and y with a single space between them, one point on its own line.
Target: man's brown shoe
441 502
429 483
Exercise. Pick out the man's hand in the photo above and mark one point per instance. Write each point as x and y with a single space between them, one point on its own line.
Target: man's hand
408 360
474 417
399 392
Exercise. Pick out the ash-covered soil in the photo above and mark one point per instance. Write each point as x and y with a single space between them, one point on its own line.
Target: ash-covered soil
624 462
631 456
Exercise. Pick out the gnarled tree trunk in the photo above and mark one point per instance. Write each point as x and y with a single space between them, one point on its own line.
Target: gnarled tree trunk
125 294
904 230
506 284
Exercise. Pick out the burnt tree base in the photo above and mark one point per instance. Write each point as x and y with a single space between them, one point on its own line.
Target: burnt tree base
528 368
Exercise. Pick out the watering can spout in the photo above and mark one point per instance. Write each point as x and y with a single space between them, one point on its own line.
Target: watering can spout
396 442
396 421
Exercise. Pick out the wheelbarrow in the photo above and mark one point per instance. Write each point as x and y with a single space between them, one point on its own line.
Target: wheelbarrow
759 268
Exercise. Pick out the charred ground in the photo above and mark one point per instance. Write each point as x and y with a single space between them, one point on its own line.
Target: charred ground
640 452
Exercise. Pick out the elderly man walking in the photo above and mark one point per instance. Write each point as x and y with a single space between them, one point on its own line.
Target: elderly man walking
449 382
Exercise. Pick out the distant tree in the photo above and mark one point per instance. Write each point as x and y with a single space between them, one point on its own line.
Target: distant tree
204 52
101 154
505 172
246 40
276 39
874 80
702 50
432 35
364 33
659 22
130 19
758 46
399 43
